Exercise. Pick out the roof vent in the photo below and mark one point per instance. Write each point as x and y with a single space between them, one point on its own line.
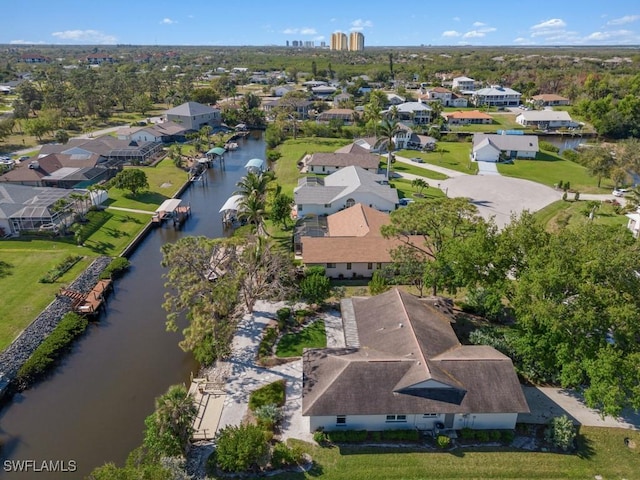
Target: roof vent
400 325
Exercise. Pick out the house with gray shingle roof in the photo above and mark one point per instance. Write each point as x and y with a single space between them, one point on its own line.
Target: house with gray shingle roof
546 119
493 147
496 96
326 163
404 368
193 115
343 189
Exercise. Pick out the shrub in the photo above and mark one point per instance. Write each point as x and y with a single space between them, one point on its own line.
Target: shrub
48 352
273 393
265 349
561 432
283 455
284 318
467 434
549 147
485 302
482 435
401 435
495 435
63 267
507 436
348 436
268 415
116 268
242 448
320 437
443 441
378 283
376 436
315 288
314 270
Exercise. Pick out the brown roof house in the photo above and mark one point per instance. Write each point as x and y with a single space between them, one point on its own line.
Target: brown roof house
325 163
348 243
468 118
404 368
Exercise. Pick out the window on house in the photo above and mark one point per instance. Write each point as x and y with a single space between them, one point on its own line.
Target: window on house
299 208
341 420
350 202
430 415
331 265
348 266
396 418
370 266
378 265
327 205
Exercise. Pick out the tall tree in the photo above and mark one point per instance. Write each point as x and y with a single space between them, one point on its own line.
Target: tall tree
132 179
599 160
388 130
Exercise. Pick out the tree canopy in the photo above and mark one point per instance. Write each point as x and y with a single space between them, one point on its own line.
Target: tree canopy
132 179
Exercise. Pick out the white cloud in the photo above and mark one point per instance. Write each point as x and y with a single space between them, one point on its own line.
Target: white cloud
522 41
474 34
451 33
300 31
615 36
167 21
478 24
456 19
319 38
553 23
26 42
359 25
87 36
624 20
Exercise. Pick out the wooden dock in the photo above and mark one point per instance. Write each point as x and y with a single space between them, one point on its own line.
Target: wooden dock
90 303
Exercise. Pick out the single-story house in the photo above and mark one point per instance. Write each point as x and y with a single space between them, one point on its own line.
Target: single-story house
468 117
350 243
346 116
282 90
326 163
323 91
395 99
112 150
343 189
342 99
546 119
549 100
24 208
492 147
193 116
634 224
403 367
165 132
496 96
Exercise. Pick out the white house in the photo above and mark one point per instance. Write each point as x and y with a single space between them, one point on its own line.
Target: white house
634 223
549 100
415 113
464 84
394 99
165 132
327 163
343 189
193 115
492 147
546 119
282 90
496 96
404 368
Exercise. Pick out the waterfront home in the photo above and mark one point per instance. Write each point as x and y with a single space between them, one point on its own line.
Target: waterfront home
546 119
404 368
193 116
493 147
496 96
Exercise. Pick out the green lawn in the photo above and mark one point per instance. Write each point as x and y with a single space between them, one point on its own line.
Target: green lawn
292 344
562 213
292 151
112 230
601 452
452 155
405 189
414 169
23 297
164 181
549 169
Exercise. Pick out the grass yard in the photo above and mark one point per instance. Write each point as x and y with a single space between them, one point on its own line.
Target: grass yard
560 214
112 230
501 121
406 190
414 169
292 151
549 169
312 336
452 155
164 181
601 452
23 297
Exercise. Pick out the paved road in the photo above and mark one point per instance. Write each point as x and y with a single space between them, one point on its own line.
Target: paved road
499 197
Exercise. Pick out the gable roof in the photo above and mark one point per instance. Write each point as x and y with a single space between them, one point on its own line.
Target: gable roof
353 148
546 116
521 143
364 160
468 114
495 91
413 107
357 221
408 361
550 97
191 109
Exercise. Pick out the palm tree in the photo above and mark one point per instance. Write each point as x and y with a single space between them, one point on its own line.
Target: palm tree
252 208
175 412
389 128
254 183
205 133
420 184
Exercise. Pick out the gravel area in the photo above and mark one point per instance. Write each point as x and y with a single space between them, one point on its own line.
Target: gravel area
12 358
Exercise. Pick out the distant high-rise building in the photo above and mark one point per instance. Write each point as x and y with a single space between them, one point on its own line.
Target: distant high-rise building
339 41
295 43
356 41
287 43
309 44
323 44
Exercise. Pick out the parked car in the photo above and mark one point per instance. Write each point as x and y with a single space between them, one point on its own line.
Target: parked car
619 192
403 202
417 160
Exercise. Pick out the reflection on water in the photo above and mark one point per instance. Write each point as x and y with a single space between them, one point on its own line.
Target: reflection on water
92 407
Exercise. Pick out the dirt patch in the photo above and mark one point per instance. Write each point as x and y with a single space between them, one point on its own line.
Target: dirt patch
166 185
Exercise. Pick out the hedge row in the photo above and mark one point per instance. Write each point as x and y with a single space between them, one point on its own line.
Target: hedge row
505 436
51 348
60 269
116 268
359 436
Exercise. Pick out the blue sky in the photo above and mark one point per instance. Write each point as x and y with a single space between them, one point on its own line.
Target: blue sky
264 22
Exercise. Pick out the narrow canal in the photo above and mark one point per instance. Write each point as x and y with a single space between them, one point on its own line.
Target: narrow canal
92 408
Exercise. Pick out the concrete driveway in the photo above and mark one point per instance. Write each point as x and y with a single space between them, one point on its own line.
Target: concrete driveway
497 196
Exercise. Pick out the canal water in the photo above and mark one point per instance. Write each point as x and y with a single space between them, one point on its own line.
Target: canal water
91 409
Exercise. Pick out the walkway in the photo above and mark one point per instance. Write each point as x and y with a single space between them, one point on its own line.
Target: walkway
487 168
